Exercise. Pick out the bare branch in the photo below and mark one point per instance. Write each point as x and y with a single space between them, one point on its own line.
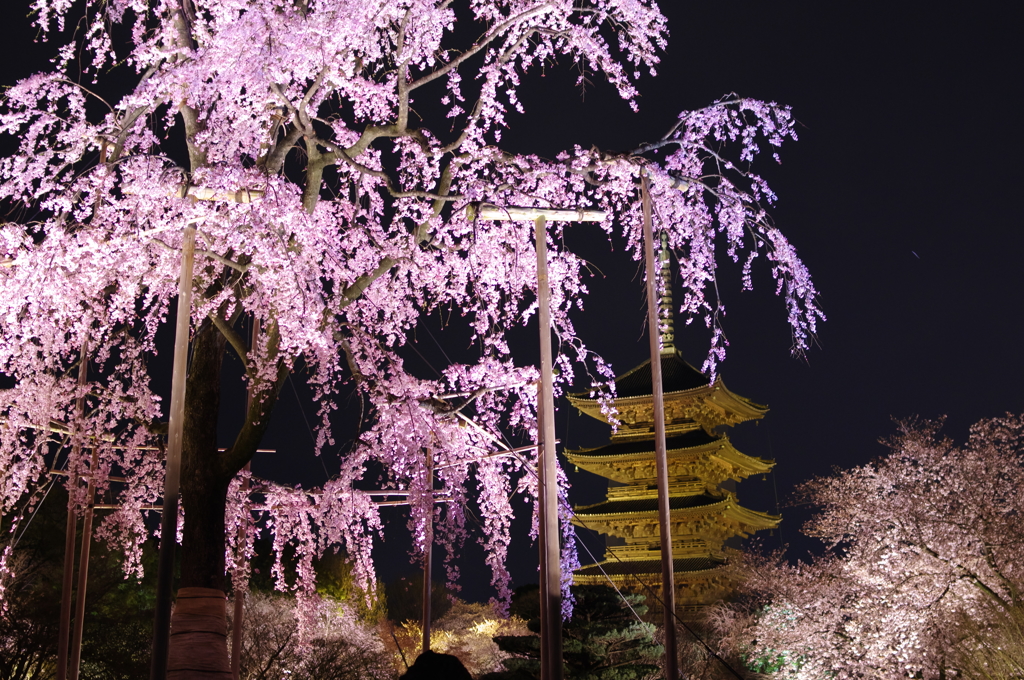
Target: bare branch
242 268
258 417
341 154
236 342
274 161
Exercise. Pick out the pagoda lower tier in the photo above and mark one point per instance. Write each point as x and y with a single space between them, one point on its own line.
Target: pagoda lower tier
701 522
699 581
703 516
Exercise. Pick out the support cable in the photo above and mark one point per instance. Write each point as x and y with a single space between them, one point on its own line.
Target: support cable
527 465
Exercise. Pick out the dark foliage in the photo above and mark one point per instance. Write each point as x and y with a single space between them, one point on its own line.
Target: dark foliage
405 599
118 615
602 641
433 666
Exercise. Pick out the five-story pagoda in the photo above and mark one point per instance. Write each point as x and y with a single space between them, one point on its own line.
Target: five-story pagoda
702 463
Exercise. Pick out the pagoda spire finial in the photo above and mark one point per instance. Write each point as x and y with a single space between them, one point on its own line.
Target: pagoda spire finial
666 312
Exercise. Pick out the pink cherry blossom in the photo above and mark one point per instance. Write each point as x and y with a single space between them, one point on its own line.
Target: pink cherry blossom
333 212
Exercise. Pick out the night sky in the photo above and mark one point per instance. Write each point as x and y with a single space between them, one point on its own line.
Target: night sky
902 197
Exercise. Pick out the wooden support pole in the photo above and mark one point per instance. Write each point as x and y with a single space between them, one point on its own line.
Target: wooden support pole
238 613
542 539
547 482
551 568
70 530
668 588
169 519
66 590
428 554
83 571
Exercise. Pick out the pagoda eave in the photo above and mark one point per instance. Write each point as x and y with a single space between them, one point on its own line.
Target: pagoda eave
751 518
686 568
720 520
709 405
639 466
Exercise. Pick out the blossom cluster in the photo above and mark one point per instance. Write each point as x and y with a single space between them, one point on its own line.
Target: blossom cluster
923 574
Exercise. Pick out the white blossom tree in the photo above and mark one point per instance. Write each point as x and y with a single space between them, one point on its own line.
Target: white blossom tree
326 151
924 573
336 646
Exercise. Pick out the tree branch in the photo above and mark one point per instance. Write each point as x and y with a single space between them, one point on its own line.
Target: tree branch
421 236
241 268
258 416
274 160
969 575
236 342
380 174
483 42
402 76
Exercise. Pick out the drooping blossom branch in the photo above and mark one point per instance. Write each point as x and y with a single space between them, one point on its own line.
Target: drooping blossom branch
332 210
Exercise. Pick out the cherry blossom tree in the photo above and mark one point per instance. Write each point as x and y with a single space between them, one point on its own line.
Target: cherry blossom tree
924 573
329 155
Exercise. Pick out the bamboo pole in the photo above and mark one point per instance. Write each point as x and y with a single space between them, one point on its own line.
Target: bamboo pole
551 574
83 571
428 554
395 504
243 195
494 454
115 506
169 519
668 589
70 530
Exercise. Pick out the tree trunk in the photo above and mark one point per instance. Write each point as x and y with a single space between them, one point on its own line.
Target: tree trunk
198 644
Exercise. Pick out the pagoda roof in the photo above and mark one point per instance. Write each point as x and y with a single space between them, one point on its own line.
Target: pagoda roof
682 565
644 510
677 375
688 440
696 397
694 452
645 505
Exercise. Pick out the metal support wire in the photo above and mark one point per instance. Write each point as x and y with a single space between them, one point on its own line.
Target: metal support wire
514 451
606 576
35 511
675 616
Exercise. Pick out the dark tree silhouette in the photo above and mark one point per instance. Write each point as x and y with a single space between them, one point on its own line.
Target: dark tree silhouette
604 640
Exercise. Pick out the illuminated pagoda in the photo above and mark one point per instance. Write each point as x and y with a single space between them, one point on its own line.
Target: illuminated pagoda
703 467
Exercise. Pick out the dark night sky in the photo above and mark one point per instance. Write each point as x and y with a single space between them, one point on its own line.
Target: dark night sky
901 196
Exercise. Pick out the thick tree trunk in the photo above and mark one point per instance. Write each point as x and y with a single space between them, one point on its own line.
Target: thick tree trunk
199 649
204 482
198 644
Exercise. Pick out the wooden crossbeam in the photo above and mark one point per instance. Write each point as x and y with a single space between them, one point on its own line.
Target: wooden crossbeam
243 195
486 211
